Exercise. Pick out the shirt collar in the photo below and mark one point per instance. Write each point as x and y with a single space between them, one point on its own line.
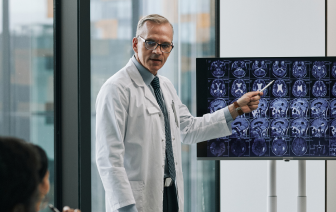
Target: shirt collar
145 74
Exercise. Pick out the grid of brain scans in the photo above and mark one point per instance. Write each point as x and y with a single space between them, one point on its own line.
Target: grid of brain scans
296 116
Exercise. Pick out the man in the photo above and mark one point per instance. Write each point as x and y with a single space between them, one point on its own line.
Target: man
141 122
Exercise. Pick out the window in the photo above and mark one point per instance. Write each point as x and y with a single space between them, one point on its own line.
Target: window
26 74
113 25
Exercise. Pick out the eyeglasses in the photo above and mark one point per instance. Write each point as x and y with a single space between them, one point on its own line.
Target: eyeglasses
151 45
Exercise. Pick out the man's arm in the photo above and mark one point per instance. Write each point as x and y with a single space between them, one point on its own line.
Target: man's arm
128 208
111 119
214 125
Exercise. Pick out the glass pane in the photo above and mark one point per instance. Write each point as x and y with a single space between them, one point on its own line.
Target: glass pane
26 74
111 39
113 25
197 39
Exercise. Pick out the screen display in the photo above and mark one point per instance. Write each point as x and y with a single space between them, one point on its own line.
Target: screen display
296 116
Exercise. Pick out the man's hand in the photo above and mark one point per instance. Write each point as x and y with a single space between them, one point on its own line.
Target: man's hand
248 102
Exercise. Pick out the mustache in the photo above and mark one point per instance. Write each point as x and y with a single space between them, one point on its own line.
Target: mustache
154 57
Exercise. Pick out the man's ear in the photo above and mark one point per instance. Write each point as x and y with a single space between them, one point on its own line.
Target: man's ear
135 44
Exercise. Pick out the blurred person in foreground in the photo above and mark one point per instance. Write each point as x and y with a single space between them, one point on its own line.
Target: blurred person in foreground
19 164
141 123
24 176
43 177
44 184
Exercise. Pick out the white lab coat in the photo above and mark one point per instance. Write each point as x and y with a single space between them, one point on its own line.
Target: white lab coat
130 144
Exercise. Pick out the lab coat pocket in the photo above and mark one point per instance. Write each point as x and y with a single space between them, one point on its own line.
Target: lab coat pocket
138 190
153 110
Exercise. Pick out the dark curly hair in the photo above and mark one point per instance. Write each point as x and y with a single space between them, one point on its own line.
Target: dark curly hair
19 165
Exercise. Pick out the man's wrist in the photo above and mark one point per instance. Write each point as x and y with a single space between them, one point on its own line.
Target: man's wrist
238 108
233 111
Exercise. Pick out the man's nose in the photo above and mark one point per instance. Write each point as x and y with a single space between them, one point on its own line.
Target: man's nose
157 50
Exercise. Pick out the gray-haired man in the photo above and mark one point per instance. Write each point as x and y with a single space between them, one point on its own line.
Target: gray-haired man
141 123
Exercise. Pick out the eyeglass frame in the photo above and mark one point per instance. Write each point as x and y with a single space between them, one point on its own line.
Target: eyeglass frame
157 44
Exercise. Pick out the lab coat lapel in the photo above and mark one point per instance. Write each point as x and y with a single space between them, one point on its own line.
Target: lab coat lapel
137 79
150 97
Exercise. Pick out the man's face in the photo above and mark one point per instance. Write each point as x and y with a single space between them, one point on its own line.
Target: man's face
153 60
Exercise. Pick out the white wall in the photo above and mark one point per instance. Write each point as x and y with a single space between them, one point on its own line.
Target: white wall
244 186
269 28
272 28
331 27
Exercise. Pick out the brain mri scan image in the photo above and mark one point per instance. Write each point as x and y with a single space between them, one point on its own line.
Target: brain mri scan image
279 146
259 69
332 147
218 68
319 70
299 69
261 110
333 70
217 89
318 149
259 146
217 148
279 107
299 107
279 69
238 88
319 89
319 107
258 85
239 69
279 88
333 90
333 128
299 88
238 147
333 108
299 146
299 127
259 127
279 127
319 127
239 127
216 105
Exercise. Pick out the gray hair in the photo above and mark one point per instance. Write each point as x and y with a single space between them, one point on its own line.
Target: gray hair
153 18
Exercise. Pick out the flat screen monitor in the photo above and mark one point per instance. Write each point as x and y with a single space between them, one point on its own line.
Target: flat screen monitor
296 116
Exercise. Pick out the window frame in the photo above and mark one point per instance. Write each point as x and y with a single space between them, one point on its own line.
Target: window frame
72 104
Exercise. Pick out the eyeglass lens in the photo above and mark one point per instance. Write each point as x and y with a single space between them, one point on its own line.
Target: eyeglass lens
151 45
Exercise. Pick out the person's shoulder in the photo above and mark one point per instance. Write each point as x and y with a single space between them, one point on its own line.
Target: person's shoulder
117 84
120 80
